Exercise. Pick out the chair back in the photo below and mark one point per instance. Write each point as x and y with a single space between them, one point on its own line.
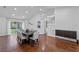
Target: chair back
35 35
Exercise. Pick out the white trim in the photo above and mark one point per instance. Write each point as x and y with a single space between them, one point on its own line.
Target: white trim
51 35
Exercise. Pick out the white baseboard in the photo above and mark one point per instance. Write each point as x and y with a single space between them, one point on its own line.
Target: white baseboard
51 35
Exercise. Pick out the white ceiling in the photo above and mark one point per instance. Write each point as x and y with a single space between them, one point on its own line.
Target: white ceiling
25 12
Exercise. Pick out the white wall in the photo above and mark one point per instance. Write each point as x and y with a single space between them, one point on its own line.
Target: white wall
67 18
3 26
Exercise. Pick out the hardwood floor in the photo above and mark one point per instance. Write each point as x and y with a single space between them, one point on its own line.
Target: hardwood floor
46 44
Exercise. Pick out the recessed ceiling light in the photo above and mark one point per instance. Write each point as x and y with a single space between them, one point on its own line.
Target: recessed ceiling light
14 8
23 16
40 9
13 14
26 11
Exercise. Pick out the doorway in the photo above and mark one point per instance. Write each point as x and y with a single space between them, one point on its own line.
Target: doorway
50 26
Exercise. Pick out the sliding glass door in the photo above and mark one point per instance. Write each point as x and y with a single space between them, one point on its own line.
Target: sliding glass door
13 26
